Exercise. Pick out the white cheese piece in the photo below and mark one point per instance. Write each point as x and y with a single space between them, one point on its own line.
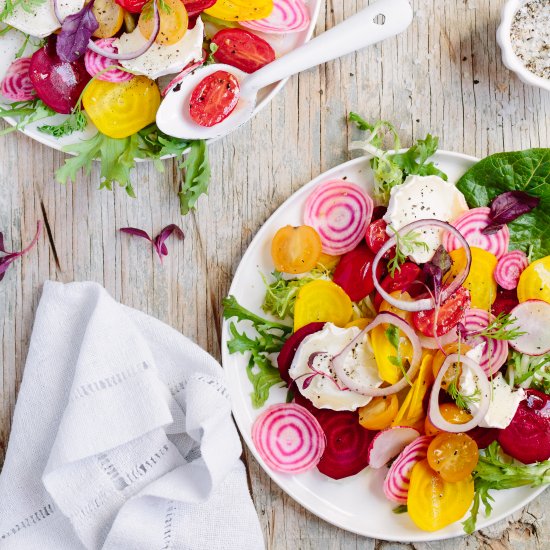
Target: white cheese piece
424 197
326 391
504 400
41 20
161 60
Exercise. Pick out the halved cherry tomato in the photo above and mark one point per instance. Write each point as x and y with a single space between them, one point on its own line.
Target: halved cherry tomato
173 22
480 281
449 314
326 261
400 295
194 7
133 6
454 372
452 413
453 456
296 249
120 109
109 15
322 300
402 280
241 10
376 235
534 282
214 98
242 49
379 413
434 503
354 272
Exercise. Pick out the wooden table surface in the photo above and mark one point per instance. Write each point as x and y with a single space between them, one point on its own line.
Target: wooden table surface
444 76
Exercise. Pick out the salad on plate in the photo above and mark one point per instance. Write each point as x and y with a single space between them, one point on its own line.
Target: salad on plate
89 76
411 328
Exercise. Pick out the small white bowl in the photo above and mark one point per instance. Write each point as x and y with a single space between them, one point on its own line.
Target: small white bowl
509 58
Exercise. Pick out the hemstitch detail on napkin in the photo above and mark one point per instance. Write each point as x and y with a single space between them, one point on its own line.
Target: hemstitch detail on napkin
216 383
142 469
109 382
169 518
33 519
91 506
107 466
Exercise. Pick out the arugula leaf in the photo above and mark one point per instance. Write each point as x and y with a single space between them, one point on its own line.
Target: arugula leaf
75 122
197 176
26 111
527 171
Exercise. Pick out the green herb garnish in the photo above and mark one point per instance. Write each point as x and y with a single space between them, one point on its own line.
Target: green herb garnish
404 246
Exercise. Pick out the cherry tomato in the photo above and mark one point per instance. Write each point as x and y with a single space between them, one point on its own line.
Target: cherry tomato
242 49
120 109
434 503
450 313
453 372
194 7
322 300
214 98
452 413
505 302
173 22
109 15
326 261
534 282
296 249
241 10
379 413
354 272
453 456
402 280
376 235
133 6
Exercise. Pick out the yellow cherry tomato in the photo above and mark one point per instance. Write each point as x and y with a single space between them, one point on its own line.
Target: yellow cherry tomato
386 306
173 22
453 372
296 249
120 109
534 282
480 281
379 413
110 17
319 301
434 503
326 261
453 456
452 413
241 10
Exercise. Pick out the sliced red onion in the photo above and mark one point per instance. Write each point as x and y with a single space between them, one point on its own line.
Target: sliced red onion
428 342
189 68
424 303
57 12
436 418
339 361
136 53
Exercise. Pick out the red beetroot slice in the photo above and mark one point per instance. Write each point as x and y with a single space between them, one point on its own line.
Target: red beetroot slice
527 438
505 302
286 355
402 280
483 436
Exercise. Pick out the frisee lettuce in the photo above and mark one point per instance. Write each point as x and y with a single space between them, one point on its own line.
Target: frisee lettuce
26 111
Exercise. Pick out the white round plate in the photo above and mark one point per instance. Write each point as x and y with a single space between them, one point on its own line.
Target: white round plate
356 503
13 40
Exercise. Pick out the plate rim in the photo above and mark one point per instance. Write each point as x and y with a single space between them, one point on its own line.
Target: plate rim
421 536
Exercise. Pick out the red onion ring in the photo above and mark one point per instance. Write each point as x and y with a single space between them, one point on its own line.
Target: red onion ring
434 413
440 342
424 303
338 361
57 13
136 53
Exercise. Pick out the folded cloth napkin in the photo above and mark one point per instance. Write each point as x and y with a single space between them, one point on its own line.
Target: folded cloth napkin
122 437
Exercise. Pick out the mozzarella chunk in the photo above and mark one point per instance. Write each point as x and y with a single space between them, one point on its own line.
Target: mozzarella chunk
325 390
504 400
161 60
424 197
41 20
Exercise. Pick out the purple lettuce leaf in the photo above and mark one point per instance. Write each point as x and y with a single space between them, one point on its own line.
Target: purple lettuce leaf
76 31
507 207
159 241
10 257
435 270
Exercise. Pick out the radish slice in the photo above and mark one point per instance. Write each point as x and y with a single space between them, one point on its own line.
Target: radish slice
427 342
95 63
509 268
533 318
347 376
388 443
288 438
483 385
396 484
470 224
340 212
494 352
136 53
17 83
424 303
287 16
179 77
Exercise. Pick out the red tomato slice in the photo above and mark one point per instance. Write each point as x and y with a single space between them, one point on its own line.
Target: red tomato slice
242 49
450 313
354 272
402 280
133 6
376 235
194 7
214 98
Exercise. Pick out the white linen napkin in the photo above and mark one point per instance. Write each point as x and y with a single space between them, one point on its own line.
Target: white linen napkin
122 437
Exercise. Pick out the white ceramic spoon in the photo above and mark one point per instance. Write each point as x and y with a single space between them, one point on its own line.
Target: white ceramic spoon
378 21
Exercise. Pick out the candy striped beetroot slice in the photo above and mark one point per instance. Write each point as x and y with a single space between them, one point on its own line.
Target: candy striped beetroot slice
287 16
17 84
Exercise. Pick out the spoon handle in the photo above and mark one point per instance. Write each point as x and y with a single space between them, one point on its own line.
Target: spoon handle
355 33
